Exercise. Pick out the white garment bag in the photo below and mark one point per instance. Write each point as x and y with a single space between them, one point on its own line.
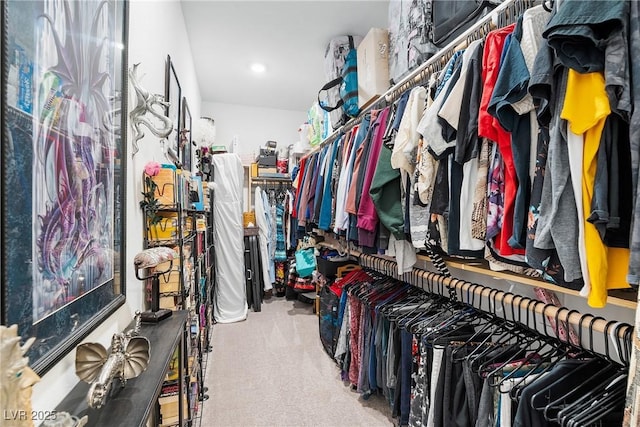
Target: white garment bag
230 298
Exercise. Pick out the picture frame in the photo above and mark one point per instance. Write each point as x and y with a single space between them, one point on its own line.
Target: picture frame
186 137
197 202
173 95
63 166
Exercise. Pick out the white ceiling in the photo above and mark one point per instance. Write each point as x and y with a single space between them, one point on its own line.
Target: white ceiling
288 37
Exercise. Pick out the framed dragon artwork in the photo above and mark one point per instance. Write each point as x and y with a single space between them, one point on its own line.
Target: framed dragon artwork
63 163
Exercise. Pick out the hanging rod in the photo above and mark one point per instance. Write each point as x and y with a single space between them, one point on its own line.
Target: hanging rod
504 14
417 277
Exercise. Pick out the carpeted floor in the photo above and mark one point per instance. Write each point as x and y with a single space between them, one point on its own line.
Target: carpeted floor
271 370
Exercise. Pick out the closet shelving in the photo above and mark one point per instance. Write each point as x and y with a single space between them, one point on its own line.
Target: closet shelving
624 298
486 299
265 181
500 16
187 285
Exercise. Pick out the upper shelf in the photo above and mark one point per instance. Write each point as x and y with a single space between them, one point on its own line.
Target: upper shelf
285 177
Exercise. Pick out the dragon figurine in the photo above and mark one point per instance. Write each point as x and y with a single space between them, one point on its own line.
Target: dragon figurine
146 102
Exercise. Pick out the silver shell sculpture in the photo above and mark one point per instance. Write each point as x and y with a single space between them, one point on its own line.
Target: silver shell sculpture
127 358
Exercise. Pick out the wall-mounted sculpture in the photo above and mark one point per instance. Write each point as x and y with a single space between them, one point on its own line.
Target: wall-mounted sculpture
149 111
127 358
16 378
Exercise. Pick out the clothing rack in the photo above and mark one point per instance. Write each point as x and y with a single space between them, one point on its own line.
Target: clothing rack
488 299
505 14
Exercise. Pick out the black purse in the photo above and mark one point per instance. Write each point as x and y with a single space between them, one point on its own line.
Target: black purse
449 18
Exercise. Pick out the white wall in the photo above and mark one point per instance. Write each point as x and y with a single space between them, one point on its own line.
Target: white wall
253 126
149 44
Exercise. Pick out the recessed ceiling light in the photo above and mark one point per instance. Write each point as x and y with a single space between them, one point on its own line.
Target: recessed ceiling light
258 68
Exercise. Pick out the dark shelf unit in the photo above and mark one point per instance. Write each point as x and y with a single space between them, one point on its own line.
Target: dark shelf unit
134 404
192 240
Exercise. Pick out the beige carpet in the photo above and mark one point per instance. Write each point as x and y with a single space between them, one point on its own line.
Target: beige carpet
271 370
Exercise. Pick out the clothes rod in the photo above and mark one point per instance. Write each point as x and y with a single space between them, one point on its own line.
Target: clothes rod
463 288
504 14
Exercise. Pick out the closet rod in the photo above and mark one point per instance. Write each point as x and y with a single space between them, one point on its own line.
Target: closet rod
417 277
504 14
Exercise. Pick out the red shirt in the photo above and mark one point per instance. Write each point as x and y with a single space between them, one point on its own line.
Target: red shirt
489 127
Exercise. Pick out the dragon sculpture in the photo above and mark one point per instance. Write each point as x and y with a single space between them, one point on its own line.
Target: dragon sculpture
146 103
128 358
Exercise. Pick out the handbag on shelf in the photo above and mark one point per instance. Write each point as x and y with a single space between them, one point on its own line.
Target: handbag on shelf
304 284
305 262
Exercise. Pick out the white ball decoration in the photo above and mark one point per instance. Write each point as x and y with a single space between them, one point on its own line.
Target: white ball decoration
204 132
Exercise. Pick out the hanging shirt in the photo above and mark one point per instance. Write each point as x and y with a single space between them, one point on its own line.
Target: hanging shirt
456 112
580 30
586 107
367 216
460 109
510 87
358 166
263 227
534 22
406 140
343 182
324 219
546 75
489 127
558 218
305 186
385 194
633 276
429 126
314 205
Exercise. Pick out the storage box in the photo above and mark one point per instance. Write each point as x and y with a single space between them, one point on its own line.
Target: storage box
373 65
267 160
329 269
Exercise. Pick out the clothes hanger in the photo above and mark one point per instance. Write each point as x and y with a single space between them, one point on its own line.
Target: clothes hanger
515 341
589 387
486 322
564 349
535 359
586 406
612 401
496 323
592 411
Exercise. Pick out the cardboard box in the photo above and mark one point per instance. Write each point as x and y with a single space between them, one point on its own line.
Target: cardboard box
373 65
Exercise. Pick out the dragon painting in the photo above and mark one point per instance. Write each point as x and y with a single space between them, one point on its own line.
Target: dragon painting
74 144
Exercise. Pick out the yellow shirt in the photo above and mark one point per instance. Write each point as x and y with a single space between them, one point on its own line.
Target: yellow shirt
586 108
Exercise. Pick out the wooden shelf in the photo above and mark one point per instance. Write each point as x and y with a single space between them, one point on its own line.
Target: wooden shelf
481 268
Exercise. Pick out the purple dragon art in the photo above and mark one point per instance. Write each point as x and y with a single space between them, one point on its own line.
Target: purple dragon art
73 195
